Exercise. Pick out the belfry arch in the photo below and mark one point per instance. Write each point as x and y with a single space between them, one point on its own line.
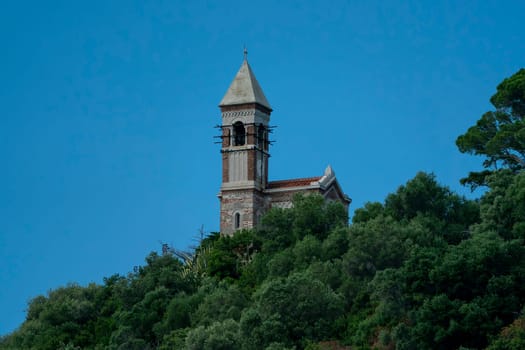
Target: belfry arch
239 134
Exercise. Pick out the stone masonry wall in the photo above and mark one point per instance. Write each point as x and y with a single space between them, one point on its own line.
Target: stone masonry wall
248 203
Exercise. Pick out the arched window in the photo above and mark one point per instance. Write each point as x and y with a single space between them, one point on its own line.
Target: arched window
261 137
239 134
237 221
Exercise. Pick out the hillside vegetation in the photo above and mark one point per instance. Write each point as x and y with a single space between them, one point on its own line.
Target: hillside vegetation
425 269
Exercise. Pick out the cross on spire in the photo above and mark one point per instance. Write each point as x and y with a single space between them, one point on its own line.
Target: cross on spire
245 53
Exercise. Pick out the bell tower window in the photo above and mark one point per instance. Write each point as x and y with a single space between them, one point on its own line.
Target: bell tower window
237 221
239 134
261 137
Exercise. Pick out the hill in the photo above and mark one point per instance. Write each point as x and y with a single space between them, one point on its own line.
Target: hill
425 269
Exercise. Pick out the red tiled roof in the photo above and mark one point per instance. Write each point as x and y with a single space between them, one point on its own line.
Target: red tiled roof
293 182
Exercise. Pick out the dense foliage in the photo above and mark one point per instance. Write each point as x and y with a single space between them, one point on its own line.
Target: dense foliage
499 135
425 269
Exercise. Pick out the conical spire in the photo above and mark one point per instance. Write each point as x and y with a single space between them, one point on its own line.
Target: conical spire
244 89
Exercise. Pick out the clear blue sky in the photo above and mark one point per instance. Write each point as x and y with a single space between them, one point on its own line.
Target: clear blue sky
108 108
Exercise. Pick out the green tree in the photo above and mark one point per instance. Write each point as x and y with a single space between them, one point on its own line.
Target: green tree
174 340
313 215
218 336
336 244
281 263
225 302
423 195
503 207
370 211
466 269
292 311
276 231
306 251
228 255
511 337
499 135
375 245
310 215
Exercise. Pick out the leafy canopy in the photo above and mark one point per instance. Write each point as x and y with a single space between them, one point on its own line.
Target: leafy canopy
499 135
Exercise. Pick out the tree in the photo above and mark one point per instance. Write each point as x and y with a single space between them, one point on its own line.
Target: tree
511 337
292 311
499 135
225 302
313 215
424 195
218 336
227 255
370 211
503 207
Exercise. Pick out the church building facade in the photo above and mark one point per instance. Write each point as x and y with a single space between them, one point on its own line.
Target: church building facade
245 193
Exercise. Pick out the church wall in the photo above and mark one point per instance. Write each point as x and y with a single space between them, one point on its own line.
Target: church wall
251 165
225 168
250 135
332 195
225 137
248 203
284 199
238 166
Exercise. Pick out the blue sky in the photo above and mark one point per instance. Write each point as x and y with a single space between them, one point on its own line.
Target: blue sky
108 109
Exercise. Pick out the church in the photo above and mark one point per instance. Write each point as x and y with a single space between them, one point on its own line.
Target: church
245 193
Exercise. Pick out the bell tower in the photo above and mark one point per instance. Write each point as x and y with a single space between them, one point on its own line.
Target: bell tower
245 151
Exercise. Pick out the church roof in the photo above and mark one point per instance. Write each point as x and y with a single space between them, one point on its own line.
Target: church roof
244 89
327 185
306 181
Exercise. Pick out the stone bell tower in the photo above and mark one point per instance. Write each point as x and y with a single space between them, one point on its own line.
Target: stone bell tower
245 152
